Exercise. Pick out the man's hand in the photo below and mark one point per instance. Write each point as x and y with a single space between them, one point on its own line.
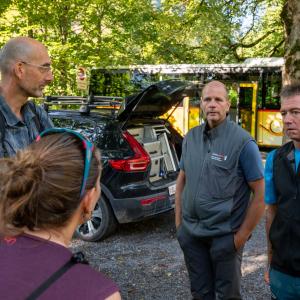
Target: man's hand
267 275
239 240
253 215
271 211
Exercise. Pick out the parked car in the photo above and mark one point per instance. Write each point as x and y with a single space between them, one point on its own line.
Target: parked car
139 153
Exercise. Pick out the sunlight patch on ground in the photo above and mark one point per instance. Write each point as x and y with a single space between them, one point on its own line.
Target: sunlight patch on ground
253 263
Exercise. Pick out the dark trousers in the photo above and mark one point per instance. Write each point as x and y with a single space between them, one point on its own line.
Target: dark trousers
213 264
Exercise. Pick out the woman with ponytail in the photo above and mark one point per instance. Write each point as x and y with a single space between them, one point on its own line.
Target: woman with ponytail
46 191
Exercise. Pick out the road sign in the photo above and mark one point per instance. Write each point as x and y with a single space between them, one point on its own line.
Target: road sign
81 78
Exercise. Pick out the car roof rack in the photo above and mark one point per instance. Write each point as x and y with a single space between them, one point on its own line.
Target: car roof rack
86 103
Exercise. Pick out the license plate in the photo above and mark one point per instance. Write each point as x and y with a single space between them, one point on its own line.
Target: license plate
172 189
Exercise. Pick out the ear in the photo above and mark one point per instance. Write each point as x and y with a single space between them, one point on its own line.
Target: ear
229 104
89 200
18 69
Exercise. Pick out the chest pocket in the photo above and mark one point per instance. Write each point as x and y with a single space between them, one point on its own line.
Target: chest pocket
221 178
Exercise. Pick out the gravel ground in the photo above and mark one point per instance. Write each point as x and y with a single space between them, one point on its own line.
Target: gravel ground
145 260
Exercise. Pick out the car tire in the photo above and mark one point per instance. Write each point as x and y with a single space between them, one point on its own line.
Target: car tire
101 224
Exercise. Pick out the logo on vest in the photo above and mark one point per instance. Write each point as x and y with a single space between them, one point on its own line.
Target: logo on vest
218 157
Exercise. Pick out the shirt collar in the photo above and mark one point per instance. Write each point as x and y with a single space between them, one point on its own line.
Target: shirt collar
10 117
214 132
290 152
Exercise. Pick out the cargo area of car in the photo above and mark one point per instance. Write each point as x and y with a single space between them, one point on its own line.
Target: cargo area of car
154 139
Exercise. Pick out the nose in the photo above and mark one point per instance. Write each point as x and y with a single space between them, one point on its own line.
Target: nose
212 102
49 77
287 118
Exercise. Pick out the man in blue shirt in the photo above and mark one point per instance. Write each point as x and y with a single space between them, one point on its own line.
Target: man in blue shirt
282 196
25 71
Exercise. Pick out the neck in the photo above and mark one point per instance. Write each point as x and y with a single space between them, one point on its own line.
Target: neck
58 236
61 235
297 144
13 96
212 125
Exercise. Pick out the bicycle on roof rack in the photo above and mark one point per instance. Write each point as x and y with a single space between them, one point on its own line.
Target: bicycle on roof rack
86 103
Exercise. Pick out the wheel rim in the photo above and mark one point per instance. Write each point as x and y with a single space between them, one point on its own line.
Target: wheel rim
92 227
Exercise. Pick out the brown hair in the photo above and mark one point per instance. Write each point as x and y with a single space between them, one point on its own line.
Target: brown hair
290 90
40 187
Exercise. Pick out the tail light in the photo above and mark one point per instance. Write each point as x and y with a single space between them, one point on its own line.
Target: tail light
139 162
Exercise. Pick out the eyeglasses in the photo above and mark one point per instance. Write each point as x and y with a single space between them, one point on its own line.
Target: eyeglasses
43 68
87 146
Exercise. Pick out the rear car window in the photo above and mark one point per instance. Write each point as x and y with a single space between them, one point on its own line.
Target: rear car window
106 136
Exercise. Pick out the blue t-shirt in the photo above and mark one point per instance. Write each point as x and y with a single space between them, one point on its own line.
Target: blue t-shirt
250 165
270 194
250 162
297 158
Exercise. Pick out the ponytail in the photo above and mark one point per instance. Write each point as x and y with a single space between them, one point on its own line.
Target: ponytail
40 187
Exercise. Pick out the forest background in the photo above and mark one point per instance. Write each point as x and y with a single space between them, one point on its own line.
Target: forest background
104 33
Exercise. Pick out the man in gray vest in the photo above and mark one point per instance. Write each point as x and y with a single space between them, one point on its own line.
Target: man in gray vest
219 167
25 71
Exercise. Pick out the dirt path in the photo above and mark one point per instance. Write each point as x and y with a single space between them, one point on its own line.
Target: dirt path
146 261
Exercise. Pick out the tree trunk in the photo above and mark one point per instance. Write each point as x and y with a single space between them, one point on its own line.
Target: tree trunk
291 18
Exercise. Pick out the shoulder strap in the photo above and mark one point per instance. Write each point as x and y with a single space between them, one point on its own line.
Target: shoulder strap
75 259
37 120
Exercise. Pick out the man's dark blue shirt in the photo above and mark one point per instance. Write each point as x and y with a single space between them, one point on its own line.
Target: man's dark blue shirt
20 133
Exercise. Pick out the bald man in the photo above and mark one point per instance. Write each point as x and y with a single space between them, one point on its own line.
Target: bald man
219 168
25 71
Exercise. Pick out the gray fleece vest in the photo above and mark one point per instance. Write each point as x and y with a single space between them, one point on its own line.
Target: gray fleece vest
215 197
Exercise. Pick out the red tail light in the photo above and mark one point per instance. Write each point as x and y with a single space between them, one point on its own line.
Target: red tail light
139 162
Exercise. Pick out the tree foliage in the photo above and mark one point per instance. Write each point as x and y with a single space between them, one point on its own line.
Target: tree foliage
291 18
122 32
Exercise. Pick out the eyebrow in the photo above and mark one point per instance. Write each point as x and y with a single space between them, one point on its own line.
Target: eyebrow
209 97
293 108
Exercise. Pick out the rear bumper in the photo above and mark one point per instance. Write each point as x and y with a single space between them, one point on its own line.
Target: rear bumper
135 209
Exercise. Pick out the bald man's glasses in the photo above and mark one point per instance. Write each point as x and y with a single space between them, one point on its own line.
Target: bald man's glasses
43 68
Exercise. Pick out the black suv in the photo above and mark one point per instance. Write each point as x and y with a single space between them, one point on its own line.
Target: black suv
139 152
